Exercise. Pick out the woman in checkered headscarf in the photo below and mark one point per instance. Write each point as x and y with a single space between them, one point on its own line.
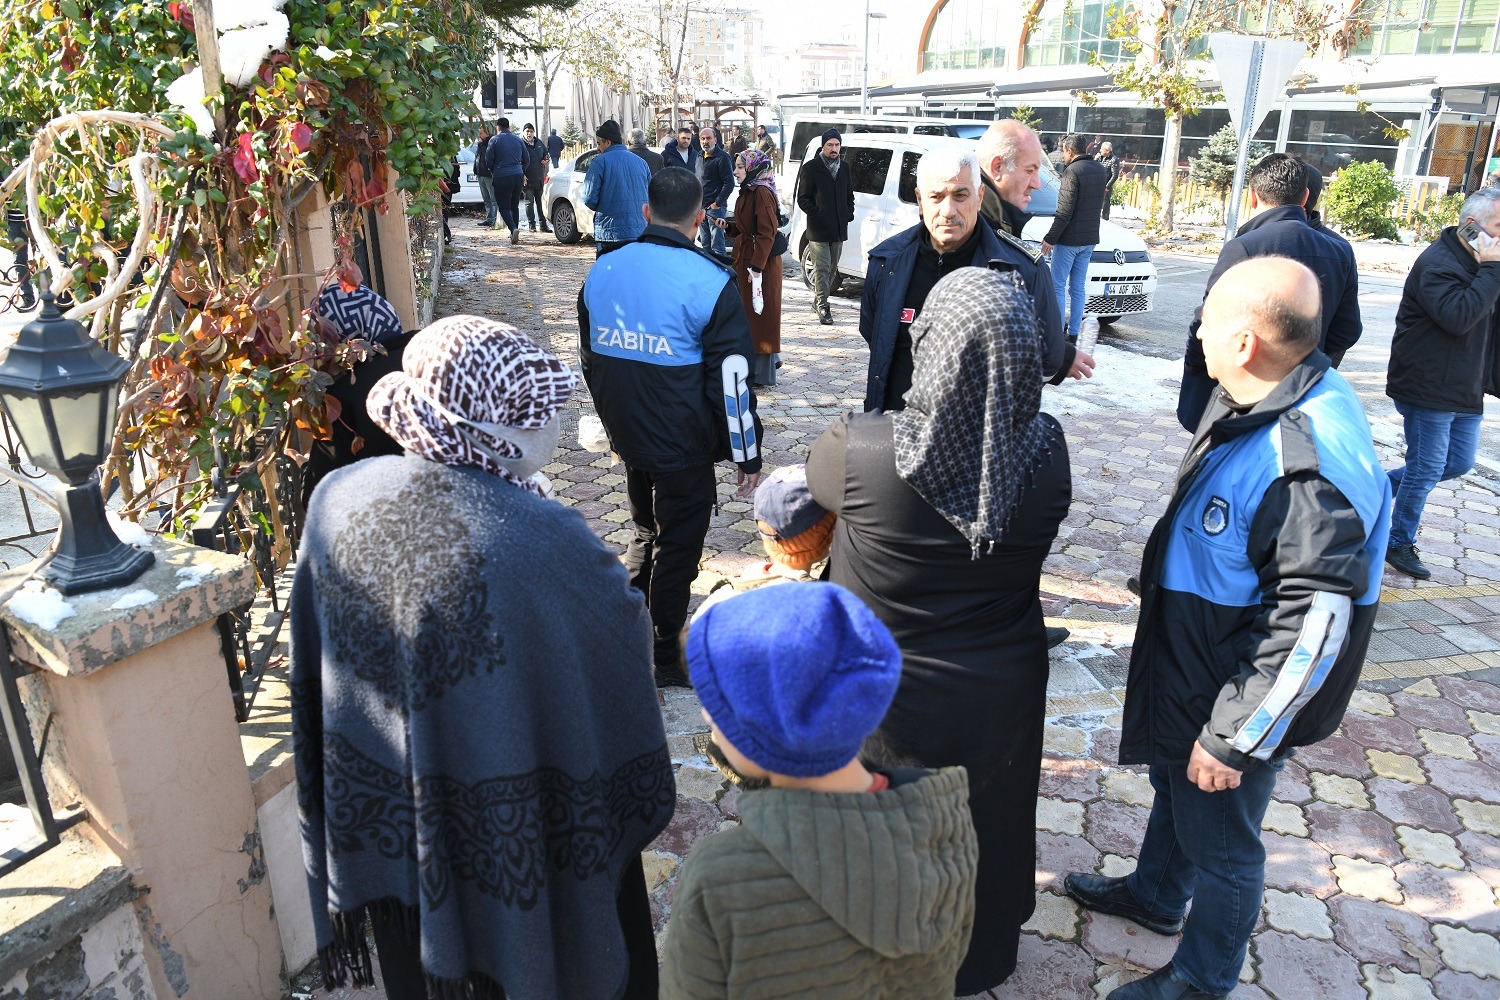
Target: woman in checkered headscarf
476 779
946 512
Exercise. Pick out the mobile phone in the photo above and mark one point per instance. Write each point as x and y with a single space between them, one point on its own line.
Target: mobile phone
1469 233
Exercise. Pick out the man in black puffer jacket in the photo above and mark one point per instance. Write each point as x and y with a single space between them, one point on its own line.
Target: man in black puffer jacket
1075 229
1278 228
1443 361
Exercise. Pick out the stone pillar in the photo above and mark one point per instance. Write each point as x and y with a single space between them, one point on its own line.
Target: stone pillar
143 736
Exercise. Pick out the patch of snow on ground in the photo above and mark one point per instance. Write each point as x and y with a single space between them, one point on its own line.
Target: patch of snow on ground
134 599
128 531
41 605
1123 380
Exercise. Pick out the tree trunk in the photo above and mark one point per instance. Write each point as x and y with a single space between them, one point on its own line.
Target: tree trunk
1171 150
545 125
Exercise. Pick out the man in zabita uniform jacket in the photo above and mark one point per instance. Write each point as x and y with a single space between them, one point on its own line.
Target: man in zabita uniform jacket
665 349
1260 586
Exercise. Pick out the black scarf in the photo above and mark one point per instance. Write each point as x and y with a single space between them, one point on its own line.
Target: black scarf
972 434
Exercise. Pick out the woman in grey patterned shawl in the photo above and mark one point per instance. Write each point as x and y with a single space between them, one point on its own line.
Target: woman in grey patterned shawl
479 751
946 512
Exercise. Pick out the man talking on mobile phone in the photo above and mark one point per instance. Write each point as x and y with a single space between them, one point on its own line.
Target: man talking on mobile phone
1442 364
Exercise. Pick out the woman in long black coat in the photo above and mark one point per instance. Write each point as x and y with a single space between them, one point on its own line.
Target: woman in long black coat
946 512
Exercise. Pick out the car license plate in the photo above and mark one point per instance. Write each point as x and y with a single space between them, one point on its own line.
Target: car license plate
1120 288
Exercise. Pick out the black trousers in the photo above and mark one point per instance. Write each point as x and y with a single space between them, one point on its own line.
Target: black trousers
399 948
508 195
671 512
534 214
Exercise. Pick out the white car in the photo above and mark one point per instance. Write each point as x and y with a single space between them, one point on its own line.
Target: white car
468 184
1121 277
562 195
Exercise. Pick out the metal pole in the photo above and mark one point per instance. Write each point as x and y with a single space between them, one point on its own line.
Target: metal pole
1247 119
864 86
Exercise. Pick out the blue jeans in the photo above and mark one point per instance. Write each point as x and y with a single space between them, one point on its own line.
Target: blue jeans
1440 444
1070 279
1205 847
491 206
709 235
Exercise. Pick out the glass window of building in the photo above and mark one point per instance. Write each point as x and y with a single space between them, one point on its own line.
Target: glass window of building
1068 31
1432 27
1330 140
966 34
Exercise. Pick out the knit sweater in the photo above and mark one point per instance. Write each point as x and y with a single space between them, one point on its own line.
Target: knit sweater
829 896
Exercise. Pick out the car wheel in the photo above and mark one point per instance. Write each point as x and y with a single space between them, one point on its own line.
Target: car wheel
564 223
806 259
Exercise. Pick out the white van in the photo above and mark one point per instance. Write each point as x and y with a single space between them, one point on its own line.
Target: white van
1122 279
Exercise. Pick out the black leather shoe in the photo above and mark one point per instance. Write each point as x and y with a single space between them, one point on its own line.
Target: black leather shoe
1057 636
825 317
1165 983
1113 896
1404 559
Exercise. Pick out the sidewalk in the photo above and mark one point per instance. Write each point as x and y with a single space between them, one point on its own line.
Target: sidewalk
1383 842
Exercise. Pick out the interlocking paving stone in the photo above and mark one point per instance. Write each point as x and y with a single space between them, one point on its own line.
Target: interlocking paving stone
1463 777
1450 985
1470 693
1485 722
1366 878
1359 832
1298 864
1425 688
1414 805
1338 790
1115 827
1464 950
1283 817
1456 897
1115 866
1059 816
1447 744
1336 755
1056 917
1483 854
1304 916
1382 732
1394 765
1436 849
1392 984
1054 969
1115 939
1070 778
1130 787
1382 933
1371 703
1057 854
1293 967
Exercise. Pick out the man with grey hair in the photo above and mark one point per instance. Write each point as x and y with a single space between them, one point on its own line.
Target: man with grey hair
1443 362
636 143
904 269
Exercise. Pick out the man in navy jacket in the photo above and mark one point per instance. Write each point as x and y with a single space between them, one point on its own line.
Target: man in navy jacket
1278 190
508 159
716 172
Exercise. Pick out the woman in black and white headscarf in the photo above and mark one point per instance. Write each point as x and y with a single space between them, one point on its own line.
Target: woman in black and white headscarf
945 513
475 777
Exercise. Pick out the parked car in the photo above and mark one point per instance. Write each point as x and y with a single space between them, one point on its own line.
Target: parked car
468 184
562 195
1121 276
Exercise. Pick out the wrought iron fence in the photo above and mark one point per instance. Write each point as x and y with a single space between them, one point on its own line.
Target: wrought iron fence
260 517
17 290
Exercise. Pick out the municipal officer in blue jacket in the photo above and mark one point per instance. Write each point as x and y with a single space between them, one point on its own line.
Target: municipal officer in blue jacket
508 159
665 348
1261 583
615 189
1278 191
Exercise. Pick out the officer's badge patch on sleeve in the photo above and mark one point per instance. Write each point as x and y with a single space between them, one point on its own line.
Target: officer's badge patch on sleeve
1216 516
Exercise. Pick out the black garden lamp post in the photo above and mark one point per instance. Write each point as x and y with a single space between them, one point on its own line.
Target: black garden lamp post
59 387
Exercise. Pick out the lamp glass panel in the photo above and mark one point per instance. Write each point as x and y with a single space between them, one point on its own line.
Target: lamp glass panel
80 426
28 414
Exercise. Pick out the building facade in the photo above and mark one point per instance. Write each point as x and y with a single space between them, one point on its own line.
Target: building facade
1418 90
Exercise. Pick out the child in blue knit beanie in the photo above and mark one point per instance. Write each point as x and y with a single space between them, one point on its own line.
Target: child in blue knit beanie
839 883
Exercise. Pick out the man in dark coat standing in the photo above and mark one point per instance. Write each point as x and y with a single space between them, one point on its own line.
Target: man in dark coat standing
1261 584
554 146
1443 360
737 143
1278 190
680 151
508 159
825 193
715 170
1075 229
536 177
637 145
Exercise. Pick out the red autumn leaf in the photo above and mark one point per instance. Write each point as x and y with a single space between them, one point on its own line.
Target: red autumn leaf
70 54
244 159
350 276
302 137
267 74
375 191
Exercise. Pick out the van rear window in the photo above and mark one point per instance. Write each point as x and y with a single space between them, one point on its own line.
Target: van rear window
870 167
